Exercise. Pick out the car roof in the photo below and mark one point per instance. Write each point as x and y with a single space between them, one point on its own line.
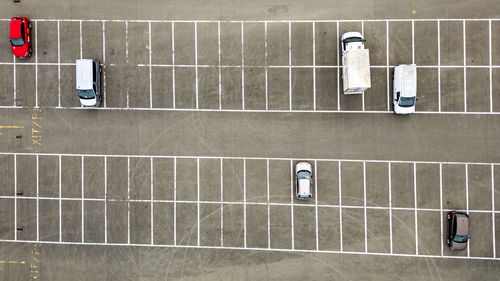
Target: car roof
84 74
462 225
408 76
15 28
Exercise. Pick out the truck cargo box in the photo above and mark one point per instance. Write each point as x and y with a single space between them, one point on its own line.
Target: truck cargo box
356 71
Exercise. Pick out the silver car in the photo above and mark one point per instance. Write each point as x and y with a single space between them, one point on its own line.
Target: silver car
303 181
458 230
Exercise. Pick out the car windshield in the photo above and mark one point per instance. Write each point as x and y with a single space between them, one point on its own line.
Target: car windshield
407 102
353 39
86 94
461 239
16 42
304 175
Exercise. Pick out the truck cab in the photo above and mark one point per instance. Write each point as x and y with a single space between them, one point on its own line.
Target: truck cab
352 41
88 82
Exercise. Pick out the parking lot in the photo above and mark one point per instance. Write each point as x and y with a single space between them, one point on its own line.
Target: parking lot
256 65
186 171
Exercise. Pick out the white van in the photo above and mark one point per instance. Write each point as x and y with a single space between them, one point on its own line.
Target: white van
405 88
303 181
88 82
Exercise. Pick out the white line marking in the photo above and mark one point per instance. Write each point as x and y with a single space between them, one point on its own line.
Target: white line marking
413 42
81 41
291 203
338 71
60 207
59 64
219 68
467 197
314 65
441 205
439 69
198 198
242 69
152 195
126 41
465 76
36 66
83 198
105 199
390 204
363 94
340 205
316 201
491 71
150 70
387 65
128 200
15 194
173 67
175 197
493 208
14 76
221 205
104 60
245 202
266 66
37 199
290 64
196 59
268 206
364 206
415 202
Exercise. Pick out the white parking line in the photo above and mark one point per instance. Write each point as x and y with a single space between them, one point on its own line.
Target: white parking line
105 199
244 203
150 68
126 41
268 207
14 77
219 68
152 195
467 197
415 202
441 205
198 198
340 204
83 198
338 69
59 64
60 207
316 201
221 205
491 71
314 64
104 61
390 205
413 42
465 74
387 65
291 203
81 41
173 65
37 199
439 67
363 94
242 69
266 66
290 64
36 65
175 197
196 59
128 200
493 229
15 198
364 206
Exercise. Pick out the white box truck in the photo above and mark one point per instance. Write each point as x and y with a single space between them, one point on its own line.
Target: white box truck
355 63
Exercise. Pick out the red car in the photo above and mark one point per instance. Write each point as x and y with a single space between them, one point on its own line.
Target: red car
20 37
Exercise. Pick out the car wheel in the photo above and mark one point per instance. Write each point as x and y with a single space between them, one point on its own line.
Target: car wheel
29 25
448 216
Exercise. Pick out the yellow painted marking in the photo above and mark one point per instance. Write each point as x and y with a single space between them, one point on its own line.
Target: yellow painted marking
19 262
11 127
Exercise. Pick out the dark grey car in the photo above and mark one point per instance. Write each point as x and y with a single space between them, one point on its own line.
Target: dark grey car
458 230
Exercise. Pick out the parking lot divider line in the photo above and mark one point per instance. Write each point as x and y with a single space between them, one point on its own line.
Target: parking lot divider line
491 71
245 202
387 65
340 202
81 41
83 198
37 199
266 66
196 59
126 41
221 200
175 196
198 198
219 65
389 181
314 64
338 70
128 200
14 80
15 197
467 197
290 64
493 206
316 201
104 60
173 66
150 69
439 66
152 191
60 207
413 42
105 199
465 74
363 94
441 205
268 205
291 203
242 68
36 65
415 202
58 64
364 206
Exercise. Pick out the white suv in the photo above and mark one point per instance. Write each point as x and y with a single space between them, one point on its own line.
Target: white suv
303 181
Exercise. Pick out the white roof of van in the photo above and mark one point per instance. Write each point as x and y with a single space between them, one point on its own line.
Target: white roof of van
409 80
84 74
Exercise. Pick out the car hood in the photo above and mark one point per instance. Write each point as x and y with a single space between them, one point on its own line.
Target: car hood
458 246
19 51
403 110
89 102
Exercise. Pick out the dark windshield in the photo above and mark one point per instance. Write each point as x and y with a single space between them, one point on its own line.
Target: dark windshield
353 39
16 42
407 102
304 175
461 239
86 94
